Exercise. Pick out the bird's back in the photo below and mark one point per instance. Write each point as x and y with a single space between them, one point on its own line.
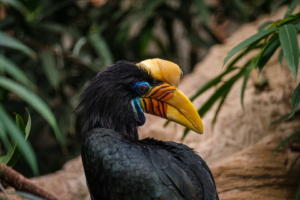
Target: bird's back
117 167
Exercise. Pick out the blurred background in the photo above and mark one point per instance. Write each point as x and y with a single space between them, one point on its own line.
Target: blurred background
73 40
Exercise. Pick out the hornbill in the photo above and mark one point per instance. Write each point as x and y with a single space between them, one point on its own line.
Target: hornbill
117 164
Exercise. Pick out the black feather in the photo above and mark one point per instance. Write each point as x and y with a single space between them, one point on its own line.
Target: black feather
106 102
117 164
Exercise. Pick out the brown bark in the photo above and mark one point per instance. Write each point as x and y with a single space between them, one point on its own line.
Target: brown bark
19 182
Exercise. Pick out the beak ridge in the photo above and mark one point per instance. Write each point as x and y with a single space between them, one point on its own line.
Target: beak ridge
168 102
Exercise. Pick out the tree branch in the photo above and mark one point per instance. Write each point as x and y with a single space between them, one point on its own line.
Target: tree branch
19 182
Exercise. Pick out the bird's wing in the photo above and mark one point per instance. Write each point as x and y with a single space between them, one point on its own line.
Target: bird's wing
198 166
117 168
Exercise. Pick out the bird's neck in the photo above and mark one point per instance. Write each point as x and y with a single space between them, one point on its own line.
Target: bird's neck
125 125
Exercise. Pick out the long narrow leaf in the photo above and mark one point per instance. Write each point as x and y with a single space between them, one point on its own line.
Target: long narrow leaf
247 73
16 155
282 22
35 101
298 192
219 93
251 47
16 5
100 46
28 125
268 52
50 68
289 42
295 99
293 165
13 43
14 71
3 135
286 140
13 153
284 117
243 10
202 10
56 28
277 5
28 195
264 25
211 83
280 56
291 8
23 146
248 41
223 98
25 130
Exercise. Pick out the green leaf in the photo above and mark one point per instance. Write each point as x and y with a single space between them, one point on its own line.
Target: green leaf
211 83
297 27
100 46
298 192
241 6
293 165
277 5
16 135
247 73
13 43
283 117
264 25
48 11
289 43
14 71
195 39
56 28
286 140
291 8
25 130
248 42
267 52
35 101
28 125
219 92
145 38
3 135
16 5
223 97
28 195
50 68
295 99
186 131
78 45
13 154
208 85
280 56
202 10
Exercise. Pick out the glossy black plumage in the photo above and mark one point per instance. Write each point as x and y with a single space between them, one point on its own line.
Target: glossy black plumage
120 166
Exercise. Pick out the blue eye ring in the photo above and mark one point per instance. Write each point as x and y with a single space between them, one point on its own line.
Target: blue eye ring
141 87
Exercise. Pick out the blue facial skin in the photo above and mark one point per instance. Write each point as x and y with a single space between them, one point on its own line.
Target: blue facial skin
137 109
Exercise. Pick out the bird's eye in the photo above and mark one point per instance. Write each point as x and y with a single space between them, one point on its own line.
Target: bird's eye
143 89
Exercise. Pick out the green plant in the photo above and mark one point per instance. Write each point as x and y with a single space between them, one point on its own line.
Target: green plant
10 84
270 37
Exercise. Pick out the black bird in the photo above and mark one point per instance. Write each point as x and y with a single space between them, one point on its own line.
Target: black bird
117 164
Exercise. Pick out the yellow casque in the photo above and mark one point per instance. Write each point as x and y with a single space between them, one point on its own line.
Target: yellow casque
166 100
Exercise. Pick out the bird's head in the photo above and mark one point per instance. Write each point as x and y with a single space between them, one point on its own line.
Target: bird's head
118 97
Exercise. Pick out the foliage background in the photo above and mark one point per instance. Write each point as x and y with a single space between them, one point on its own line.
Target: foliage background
74 40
